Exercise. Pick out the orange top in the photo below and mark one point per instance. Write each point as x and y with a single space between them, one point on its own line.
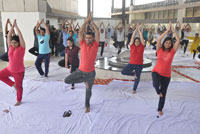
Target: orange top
164 61
136 54
88 56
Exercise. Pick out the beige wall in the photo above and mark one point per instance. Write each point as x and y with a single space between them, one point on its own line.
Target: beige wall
64 5
19 5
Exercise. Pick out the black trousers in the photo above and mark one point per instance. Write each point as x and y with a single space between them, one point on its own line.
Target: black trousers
33 51
102 44
160 83
4 57
185 43
74 68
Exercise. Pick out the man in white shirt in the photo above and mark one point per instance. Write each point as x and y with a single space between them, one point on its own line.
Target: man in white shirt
120 37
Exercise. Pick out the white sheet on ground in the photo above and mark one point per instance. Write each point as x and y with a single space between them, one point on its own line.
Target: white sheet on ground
114 109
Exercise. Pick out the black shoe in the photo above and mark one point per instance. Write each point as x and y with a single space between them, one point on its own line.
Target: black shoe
67 113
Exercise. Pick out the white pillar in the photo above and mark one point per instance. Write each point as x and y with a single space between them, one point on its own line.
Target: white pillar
130 15
26 22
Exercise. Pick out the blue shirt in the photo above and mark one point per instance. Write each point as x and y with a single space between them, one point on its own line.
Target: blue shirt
74 38
43 42
65 36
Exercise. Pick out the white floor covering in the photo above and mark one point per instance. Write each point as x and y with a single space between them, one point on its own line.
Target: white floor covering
114 109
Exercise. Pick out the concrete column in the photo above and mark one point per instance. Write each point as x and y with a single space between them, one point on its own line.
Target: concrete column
130 15
26 22
123 12
88 7
112 8
181 14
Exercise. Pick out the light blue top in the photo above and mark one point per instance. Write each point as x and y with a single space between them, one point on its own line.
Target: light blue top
43 42
65 37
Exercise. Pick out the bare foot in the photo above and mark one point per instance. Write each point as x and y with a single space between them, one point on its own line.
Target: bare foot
6 111
87 110
134 92
18 103
160 113
161 95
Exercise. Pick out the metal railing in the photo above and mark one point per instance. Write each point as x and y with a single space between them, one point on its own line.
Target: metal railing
150 5
191 1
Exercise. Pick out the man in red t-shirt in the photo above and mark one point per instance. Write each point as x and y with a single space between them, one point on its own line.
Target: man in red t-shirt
86 72
136 58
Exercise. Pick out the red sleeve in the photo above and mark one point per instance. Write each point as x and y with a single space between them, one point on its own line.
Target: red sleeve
173 50
96 43
82 42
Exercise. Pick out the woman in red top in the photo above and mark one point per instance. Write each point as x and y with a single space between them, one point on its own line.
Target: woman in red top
161 73
136 58
71 56
15 68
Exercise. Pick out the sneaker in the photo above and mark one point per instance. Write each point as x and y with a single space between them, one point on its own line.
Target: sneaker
42 76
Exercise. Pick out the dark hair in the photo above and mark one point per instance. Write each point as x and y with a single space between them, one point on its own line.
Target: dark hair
71 31
90 33
196 34
16 38
168 39
42 29
71 39
136 38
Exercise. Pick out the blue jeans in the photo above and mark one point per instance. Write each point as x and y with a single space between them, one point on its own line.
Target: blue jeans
38 63
62 53
128 70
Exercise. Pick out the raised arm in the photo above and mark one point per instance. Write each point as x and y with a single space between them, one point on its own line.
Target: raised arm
177 43
9 36
46 27
141 36
188 25
36 28
63 25
158 46
6 26
118 25
97 35
81 30
133 36
21 39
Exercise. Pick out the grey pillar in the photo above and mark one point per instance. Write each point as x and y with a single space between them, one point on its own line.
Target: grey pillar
123 12
112 8
88 7
131 3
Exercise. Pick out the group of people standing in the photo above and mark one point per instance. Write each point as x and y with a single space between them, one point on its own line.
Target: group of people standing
90 38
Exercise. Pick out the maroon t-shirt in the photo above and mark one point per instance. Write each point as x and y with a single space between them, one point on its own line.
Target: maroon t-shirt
73 55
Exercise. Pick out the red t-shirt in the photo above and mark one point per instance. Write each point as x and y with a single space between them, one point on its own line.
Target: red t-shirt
88 56
164 61
16 59
73 55
136 54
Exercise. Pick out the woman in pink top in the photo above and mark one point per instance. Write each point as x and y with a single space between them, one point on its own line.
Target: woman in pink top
15 68
161 73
